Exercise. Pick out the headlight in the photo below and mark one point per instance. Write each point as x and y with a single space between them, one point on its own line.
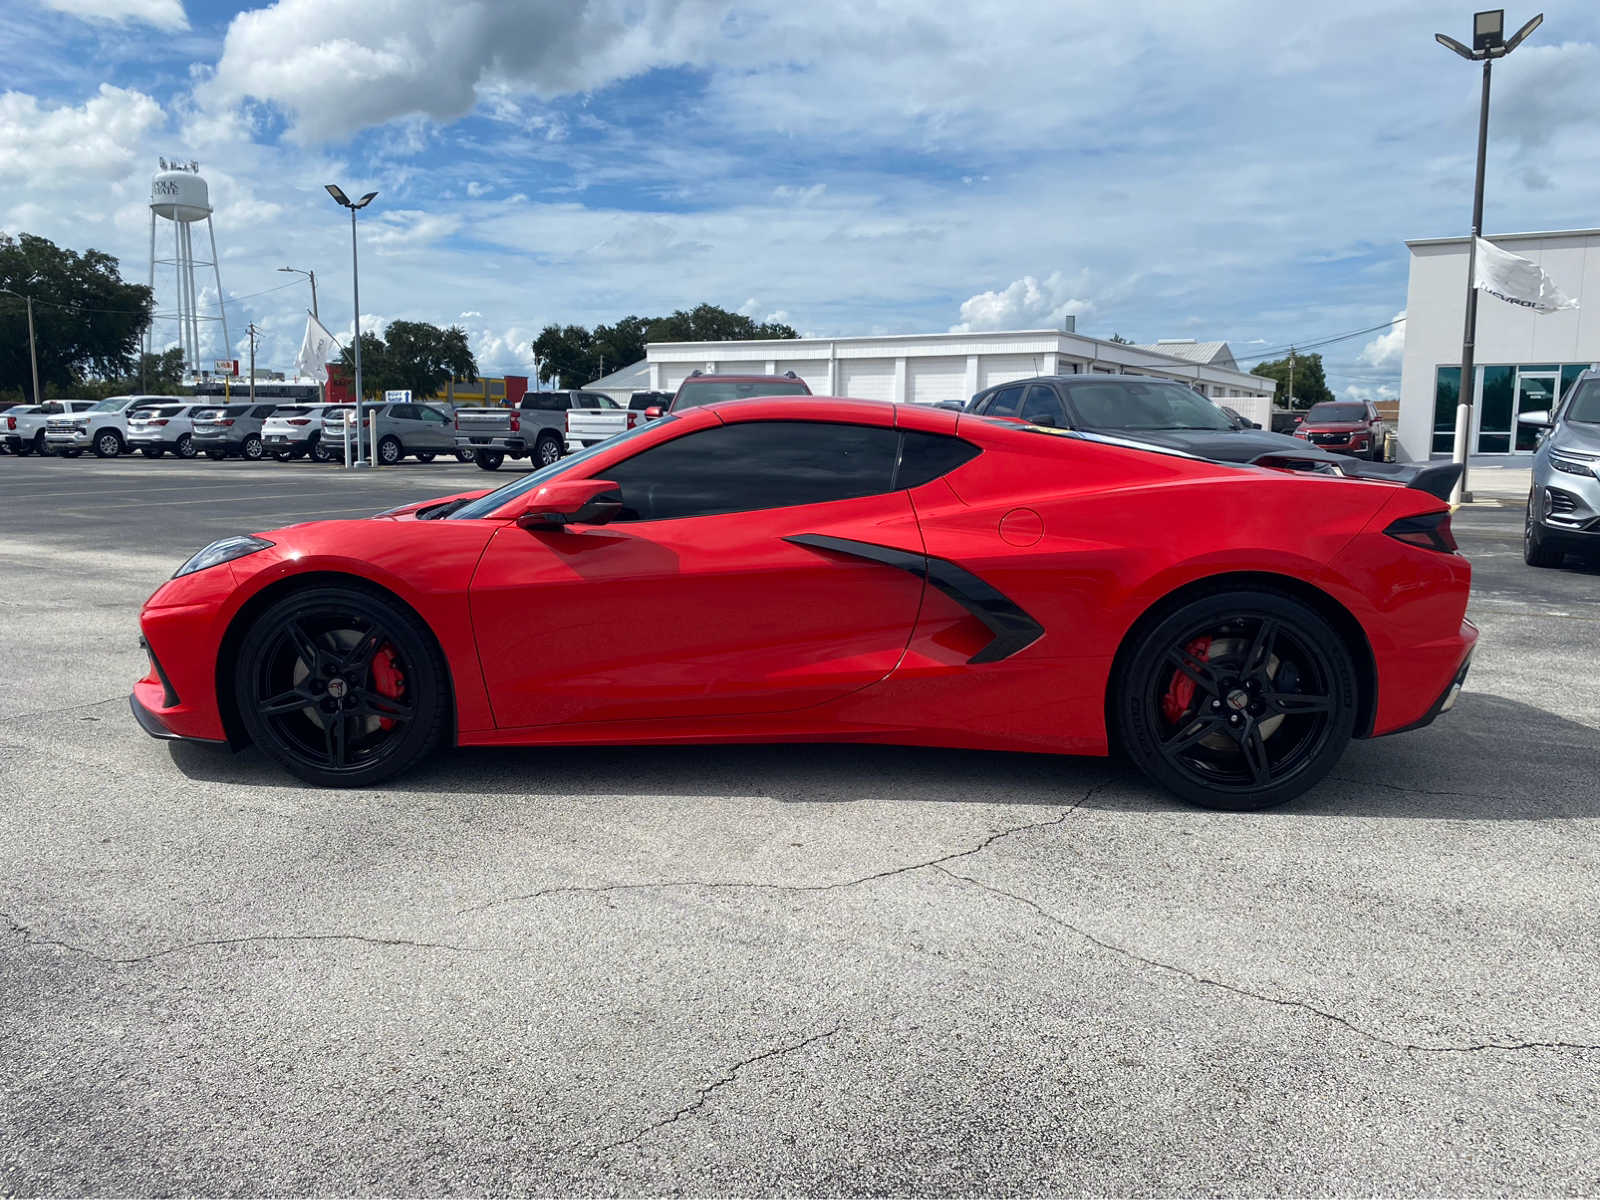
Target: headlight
223 550
1572 466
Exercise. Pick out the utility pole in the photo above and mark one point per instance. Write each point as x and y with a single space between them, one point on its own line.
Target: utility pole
254 333
33 355
1291 376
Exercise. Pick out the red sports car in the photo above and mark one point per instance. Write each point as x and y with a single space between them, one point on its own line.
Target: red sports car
808 570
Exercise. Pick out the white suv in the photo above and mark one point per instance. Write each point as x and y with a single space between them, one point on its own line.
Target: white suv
295 431
154 431
103 428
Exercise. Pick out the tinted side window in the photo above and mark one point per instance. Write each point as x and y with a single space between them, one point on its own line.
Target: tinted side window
264 410
1042 406
754 465
1005 403
926 456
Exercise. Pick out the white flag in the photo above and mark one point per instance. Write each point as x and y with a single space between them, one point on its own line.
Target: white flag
1518 281
317 350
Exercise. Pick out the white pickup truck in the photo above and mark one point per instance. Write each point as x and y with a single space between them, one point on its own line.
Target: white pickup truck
536 427
23 426
596 422
102 428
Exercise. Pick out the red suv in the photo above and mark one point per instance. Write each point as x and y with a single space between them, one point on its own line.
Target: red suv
1344 427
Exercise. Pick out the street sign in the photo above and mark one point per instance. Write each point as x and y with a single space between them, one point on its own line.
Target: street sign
400 397
227 366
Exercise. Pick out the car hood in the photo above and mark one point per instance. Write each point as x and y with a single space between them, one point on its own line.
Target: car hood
408 512
1585 439
1331 426
1224 445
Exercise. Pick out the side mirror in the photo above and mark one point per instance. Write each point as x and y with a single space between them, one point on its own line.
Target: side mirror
652 413
563 502
1540 420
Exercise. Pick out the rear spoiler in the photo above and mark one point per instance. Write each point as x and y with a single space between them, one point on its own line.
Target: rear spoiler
1436 479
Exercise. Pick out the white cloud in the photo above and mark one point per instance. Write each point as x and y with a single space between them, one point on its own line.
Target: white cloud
53 147
1375 393
1388 348
1027 303
163 14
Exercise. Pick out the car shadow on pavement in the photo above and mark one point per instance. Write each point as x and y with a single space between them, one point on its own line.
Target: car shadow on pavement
1492 758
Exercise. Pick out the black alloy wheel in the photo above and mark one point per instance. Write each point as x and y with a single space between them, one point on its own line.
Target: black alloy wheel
547 450
108 444
341 686
489 460
1536 552
1239 700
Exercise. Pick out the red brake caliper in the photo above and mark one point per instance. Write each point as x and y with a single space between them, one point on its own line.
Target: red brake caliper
1180 689
387 679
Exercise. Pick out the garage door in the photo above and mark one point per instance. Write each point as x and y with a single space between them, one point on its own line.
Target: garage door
932 380
867 378
1003 368
813 371
672 374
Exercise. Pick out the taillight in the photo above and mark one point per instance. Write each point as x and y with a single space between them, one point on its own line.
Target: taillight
299 420
11 422
225 421
162 421
458 420
1431 531
516 423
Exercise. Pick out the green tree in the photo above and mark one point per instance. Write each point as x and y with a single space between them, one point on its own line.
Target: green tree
708 323
1120 340
565 352
577 355
88 322
1310 385
412 355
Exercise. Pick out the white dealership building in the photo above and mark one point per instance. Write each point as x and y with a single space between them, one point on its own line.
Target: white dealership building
1524 359
928 368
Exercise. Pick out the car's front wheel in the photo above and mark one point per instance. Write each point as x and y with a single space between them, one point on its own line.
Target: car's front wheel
108 444
1537 552
1238 700
342 686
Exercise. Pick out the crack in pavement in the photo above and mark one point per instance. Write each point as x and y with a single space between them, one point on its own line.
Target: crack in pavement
53 712
1279 1001
29 938
751 885
703 1094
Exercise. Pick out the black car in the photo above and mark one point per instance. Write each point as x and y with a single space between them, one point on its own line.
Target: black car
640 401
1162 412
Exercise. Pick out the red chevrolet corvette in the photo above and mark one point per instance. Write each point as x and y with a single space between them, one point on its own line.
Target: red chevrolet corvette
789 570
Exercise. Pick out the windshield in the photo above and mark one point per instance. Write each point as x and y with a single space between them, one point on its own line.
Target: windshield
696 392
1337 412
113 404
1585 406
484 505
1143 405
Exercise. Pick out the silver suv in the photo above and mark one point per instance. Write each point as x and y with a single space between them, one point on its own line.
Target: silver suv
418 429
231 429
1564 501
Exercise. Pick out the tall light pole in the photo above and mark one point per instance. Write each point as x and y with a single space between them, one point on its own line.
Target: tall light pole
355 274
1488 43
312 276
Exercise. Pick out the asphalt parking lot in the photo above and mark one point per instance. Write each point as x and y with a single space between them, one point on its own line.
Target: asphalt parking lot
733 970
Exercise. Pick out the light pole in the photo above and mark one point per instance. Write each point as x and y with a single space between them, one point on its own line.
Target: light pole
355 274
312 276
1488 43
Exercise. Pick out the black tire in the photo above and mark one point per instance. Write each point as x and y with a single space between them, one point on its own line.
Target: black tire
185 447
23 449
464 456
152 451
252 448
425 456
546 450
283 455
40 446
1536 551
390 451
319 452
72 452
1239 700
216 455
107 444
327 646
489 460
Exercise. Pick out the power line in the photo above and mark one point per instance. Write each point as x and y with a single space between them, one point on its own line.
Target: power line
154 316
1297 346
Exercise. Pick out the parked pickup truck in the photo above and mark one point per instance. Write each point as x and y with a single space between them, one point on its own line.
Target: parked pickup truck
535 427
23 425
102 428
591 424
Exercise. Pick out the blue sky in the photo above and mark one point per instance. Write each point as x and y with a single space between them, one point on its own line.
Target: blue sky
1245 171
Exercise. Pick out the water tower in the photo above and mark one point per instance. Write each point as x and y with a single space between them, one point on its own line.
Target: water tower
179 194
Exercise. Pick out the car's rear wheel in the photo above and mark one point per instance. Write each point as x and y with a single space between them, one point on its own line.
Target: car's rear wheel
342 686
1239 700
252 447
390 451
1536 551
319 452
185 447
547 450
489 460
424 456
464 456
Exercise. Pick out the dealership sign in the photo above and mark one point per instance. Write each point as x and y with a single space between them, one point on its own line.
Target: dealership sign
226 366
